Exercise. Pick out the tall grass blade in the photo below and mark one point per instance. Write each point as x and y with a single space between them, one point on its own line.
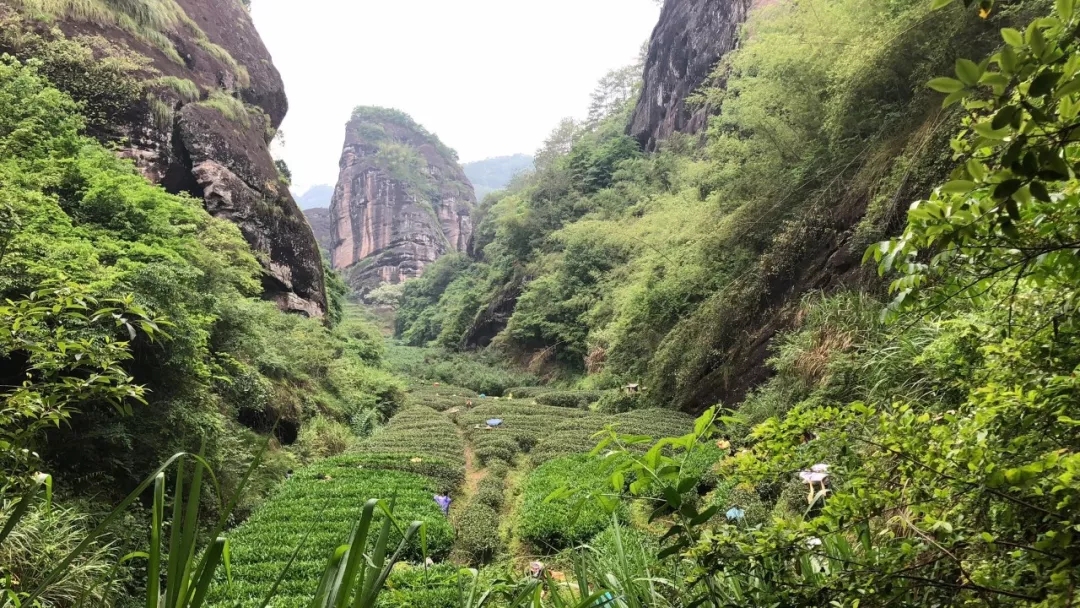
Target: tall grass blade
188 534
357 544
213 558
174 534
322 593
157 522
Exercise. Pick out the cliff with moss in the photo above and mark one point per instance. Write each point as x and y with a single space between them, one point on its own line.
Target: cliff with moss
401 200
187 91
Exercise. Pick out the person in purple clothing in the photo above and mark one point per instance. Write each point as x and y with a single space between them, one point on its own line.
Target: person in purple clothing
444 503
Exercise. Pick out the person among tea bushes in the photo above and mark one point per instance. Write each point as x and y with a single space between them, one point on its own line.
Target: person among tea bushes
444 502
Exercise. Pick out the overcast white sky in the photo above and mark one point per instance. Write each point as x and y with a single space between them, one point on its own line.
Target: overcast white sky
489 77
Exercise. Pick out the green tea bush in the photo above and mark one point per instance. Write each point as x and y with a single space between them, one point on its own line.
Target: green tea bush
525 423
417 430
578 435
324 500
420 586
439 398
490 490
496 448
578 399
478 532
527 392
554 525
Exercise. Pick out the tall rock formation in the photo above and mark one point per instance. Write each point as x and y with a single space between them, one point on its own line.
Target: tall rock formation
401 200
687 42
186 89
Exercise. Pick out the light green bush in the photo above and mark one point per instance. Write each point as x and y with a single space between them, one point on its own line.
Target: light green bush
478 532
554 525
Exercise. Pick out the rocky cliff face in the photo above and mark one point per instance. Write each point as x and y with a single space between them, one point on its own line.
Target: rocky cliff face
688 41
186 89
401 200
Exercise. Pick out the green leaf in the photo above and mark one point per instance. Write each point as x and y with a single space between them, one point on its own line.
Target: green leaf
958 186
1012 37
945 85
1064 9
967 71
940 4
1006 188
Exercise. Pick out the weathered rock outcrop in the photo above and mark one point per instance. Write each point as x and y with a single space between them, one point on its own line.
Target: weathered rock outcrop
401 200
688 41
187 90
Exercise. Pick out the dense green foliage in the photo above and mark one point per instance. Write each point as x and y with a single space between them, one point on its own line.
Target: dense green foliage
480 374
553 524
77 215
660 269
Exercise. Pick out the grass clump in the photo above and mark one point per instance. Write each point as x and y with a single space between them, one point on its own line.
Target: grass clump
229 107
322 437
554 525
186 90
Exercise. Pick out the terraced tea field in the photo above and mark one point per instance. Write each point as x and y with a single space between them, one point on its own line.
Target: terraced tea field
422 451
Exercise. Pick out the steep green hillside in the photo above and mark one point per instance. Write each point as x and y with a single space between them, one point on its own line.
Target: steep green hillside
674 270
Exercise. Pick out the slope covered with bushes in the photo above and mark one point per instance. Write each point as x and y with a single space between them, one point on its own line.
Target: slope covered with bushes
133 325
674 270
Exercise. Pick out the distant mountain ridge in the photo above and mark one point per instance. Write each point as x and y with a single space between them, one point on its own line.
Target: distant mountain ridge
495 173
315 196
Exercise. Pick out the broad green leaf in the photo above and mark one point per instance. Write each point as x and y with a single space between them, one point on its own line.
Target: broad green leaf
967 71
1012 37
945 85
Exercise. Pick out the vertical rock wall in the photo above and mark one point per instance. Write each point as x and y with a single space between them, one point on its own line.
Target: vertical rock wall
207 103
401 200
688 41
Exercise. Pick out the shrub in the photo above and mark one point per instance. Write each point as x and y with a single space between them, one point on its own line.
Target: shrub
579 399
490 491
479 373
322 437
617 402
555 524
478 532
